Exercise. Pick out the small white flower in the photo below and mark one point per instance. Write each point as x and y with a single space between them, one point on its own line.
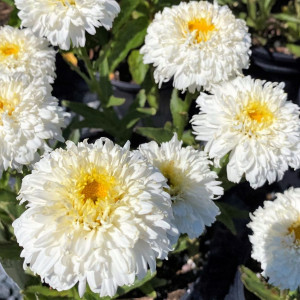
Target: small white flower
65 21
197 43
251 120
276 239
22 52
97 214
29 115
192 184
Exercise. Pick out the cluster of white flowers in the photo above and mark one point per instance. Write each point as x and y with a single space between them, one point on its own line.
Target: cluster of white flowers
100 213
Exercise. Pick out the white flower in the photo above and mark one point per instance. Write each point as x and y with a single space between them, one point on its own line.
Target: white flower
97 214
192 185
29 115
198 43
251 120
276 239
65 21
22 51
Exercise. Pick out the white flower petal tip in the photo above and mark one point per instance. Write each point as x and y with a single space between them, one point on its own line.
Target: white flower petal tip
96 214
276 239
253 121
64 22
191 184
29 116
22 52
197 44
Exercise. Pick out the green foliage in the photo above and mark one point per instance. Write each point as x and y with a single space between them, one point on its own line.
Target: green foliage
138 70
257 287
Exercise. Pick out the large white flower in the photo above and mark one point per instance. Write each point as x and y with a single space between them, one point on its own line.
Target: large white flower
65 21
276 239
198 43
29 115
22 51
251 120
97 214
192 184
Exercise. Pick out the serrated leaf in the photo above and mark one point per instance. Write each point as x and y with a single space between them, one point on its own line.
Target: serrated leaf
115 101
137 68
157 134
254 285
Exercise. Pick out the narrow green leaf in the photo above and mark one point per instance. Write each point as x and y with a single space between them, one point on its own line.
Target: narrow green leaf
127 7
131 37
114 101
48 292
148 290
157 134
138 69
10 250
286 17
226 219
104 87
258 288
147 110
179 113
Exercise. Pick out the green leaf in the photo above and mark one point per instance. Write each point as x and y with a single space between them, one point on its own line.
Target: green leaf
104 87
40 290
182 244
295 49
114 101
157 134
228 213
7 196
93 117
147 110
179 113
148 290
287 18
257 287
188 138
138 283
127 7
138 69
4 180
10 250
131 37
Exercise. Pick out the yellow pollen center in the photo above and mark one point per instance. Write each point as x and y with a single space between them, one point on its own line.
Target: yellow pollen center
255 116
203 29
173 176
8 49
96 190
94 197
295 228
8 106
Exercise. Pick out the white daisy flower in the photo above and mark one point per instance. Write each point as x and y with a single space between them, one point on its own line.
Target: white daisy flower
22 51
97 214
197 43
192 184
251 120
276 239
65 21
29 115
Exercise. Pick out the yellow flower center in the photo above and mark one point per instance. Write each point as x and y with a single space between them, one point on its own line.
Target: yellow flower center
255 116
295 228
173 175
94 197
8 105
8 49
202 28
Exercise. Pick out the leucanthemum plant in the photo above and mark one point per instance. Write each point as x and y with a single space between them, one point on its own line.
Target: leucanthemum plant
139 212
64 22
22 52
191 184
29 116
253 122
276 239
196 43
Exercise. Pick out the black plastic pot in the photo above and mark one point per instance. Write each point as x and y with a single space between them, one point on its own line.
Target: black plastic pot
277 67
